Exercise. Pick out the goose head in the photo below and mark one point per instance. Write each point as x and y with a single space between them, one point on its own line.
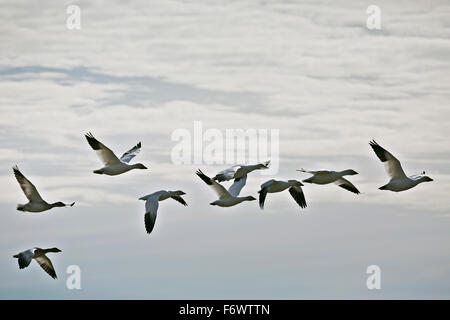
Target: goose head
264 165
58 204
139 166
350 172
426 179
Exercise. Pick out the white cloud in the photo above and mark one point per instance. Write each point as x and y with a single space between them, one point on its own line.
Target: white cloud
136 72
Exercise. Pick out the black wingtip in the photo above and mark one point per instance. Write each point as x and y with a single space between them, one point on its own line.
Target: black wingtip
16 169
379 151
204 177
262 197
92 141
349 188
299 197
373 143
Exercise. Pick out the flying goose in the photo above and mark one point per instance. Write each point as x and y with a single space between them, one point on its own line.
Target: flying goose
37 254
238 171
337 177
152 204
36 203
230 197
273 186
399 181
113 165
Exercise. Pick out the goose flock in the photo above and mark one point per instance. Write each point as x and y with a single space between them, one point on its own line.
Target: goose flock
112 165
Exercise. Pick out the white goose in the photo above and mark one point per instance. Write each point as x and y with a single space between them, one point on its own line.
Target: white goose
227 198
37 254
337 177
238 171
274 186
152 204
113 165
35 201
399 181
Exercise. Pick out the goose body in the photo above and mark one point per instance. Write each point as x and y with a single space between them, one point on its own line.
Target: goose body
39 255
275 186
230 197
239 171
112 164
398 185
152 204
337 177
35 201
399 181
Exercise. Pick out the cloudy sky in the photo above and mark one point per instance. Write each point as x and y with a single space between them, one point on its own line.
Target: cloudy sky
310 69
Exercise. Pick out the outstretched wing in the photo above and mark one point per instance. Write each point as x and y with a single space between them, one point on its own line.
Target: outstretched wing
24 258
151 210
130 154
179 199
104 153
393 166
237 186
27 187
298 195
218 188
263 192
262 196
227 174
46 264
347 185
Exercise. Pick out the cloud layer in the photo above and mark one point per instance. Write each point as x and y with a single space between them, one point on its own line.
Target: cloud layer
310 69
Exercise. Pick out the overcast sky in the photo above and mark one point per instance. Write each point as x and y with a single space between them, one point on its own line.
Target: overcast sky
310 69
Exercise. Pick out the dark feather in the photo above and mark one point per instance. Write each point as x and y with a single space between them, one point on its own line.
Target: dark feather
379 151
46 264
22 262
349 188
180 200
149 223
94 143
204 177
262 196
298 196
27 187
